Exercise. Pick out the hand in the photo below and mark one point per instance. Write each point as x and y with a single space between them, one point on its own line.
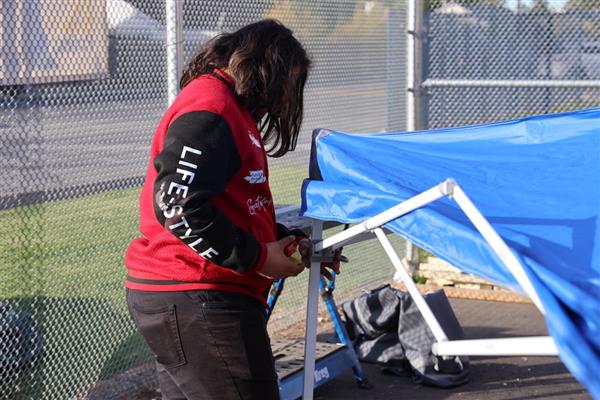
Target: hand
278 265
305 249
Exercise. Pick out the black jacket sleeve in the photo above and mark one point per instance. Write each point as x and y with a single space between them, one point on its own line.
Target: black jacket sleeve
283 231
198 159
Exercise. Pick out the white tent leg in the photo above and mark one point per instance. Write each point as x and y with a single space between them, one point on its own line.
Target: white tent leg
519 346
312 309
420 302
532 346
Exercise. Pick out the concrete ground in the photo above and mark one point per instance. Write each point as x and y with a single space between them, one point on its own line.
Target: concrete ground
505 378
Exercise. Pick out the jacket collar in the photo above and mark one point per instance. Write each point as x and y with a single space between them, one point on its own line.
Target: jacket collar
223 77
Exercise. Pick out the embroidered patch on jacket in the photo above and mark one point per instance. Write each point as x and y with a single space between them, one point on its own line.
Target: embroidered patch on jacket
258 204
256 176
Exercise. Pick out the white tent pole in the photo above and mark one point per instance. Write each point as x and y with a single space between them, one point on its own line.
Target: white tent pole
420 302
450 188
518 346
497 244
312 309
388 215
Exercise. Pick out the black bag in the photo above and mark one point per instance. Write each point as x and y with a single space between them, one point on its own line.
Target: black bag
387 328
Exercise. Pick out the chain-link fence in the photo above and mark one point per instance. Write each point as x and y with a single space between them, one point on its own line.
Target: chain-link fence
496 60
83 85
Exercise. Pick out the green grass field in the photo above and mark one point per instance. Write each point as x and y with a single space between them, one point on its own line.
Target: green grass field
74 248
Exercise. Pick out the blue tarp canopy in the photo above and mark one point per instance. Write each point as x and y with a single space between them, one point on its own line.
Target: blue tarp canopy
536 180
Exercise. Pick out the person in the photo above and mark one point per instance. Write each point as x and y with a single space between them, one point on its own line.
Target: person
199 276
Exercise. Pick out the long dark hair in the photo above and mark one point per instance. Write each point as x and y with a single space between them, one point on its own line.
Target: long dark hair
269 67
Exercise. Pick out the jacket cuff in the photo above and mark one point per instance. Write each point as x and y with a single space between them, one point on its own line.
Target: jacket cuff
299 233
283 231
261 259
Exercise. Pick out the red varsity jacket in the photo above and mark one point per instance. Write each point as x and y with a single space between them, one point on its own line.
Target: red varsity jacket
206 210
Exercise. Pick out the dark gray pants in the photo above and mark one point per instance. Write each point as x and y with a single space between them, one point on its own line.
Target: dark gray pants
208 344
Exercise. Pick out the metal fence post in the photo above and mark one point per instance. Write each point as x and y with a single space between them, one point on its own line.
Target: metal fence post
174 27
420 65
410 66
416 104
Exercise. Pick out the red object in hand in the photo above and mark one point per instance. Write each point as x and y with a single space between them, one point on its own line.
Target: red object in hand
291 248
